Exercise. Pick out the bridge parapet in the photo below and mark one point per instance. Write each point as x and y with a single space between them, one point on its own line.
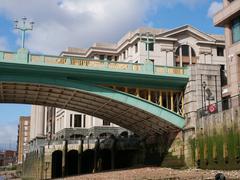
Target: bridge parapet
22 56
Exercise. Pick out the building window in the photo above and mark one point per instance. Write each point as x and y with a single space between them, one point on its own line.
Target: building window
124 55
77 120
101 57
70 120
109 58
236 30
223 75
84 120
220 51
151 47
152 60
115 58
136 47
106 123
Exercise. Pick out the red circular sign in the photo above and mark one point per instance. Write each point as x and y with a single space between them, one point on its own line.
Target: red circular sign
212 108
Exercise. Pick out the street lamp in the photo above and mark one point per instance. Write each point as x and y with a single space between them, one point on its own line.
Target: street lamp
149 39
23 27
204 98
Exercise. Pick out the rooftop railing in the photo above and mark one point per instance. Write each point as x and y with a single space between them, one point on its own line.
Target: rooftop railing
93 64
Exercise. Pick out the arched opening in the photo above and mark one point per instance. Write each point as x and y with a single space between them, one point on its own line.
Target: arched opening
106 135
77 136
125 158
124 134
57 164
185 55
91 136
104 160
72 162
87 165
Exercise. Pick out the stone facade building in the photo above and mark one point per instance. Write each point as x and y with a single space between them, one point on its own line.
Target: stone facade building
54 123
180 46
23 137
8 157
229 18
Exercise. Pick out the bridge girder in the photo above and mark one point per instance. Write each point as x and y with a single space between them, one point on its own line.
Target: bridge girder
69 88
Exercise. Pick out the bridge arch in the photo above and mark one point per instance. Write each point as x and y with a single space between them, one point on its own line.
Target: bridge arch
138 115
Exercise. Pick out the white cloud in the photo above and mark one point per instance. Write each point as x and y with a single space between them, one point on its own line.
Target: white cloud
79 23
3 43
214 7
8 134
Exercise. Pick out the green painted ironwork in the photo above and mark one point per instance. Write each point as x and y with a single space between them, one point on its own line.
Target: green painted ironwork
165 114
86 74
23 56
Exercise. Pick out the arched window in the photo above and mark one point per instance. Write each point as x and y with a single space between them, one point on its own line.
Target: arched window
186 54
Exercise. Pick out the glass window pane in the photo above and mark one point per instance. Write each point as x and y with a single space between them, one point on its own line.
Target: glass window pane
236 30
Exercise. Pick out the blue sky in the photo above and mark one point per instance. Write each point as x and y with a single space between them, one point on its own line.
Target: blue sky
79 23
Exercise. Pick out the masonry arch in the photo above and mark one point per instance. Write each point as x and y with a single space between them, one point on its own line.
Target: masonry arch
77 136
57 164
185 55
124 134
106 135
72 162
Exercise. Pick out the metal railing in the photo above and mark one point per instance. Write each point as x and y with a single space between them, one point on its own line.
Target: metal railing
93 63
219 106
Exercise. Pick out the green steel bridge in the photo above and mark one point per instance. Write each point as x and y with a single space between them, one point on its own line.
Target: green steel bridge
144 98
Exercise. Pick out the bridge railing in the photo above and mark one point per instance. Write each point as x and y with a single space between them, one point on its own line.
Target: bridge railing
104 64
219 106
92 63
170 70
88 63
8 56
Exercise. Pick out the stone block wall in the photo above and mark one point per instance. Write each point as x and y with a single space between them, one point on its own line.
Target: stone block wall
196 97
217 142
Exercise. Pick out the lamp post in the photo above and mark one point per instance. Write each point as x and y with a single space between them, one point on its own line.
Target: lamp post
204 98
150 39
23 27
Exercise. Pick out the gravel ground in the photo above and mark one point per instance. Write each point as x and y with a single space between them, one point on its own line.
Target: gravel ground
157 173
8 175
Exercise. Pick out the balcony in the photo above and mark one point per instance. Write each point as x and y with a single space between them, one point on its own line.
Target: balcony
186 60
225 15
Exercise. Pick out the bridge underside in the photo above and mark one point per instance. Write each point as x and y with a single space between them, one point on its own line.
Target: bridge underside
130 117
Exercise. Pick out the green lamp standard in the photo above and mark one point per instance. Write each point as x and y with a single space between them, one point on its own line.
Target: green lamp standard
148 39
23 26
